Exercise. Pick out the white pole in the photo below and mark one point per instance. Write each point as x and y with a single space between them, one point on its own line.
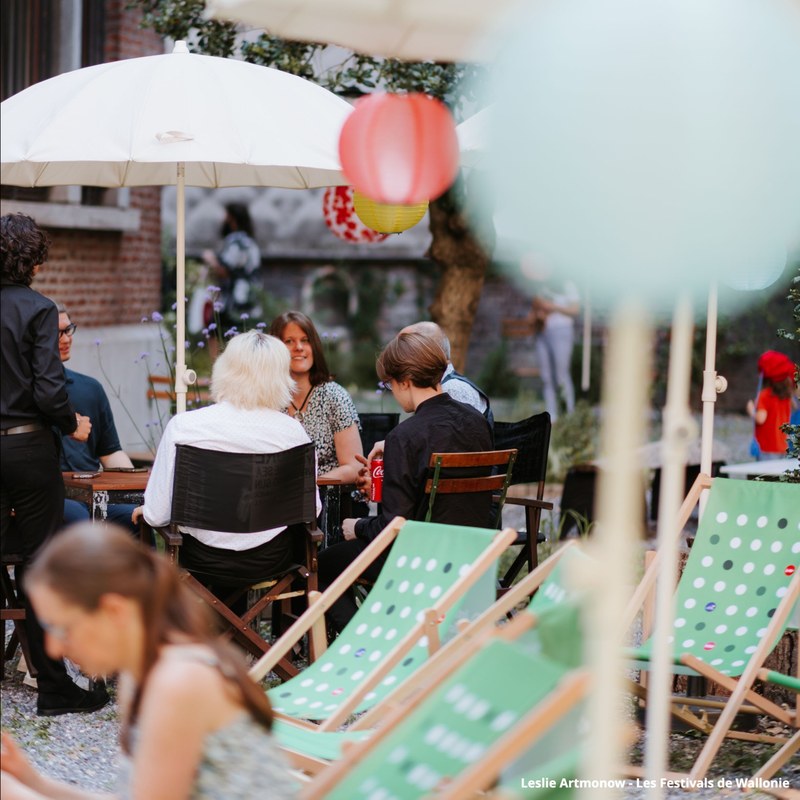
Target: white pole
183 377
587 344
626 377
713 384
678 430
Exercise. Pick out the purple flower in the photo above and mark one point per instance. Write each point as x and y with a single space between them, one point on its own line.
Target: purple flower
156 317
144 355
172 348
174 306
145 319
324 334
261 325
187 344
217 306
212 290
97 342
201 345
244 316
212 326
230 332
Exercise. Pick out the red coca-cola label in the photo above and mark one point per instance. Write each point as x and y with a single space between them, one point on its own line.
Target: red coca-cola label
376 472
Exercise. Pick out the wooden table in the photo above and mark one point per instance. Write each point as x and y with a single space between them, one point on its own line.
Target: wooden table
106 488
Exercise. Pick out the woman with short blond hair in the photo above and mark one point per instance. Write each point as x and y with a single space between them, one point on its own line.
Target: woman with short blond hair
250 383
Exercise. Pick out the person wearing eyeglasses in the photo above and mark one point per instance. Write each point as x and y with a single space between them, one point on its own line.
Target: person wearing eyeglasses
33 401
102 448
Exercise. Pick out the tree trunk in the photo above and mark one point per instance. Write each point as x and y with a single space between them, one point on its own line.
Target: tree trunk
463 261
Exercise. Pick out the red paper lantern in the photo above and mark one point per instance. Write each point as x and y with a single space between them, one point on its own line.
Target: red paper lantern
340 216
399 149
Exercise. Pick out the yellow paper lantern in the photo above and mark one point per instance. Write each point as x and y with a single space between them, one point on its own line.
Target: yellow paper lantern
387 218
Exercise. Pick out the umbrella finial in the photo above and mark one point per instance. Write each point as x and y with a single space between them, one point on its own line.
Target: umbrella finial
180 47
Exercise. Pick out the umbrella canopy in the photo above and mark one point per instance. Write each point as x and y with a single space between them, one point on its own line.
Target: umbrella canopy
127 123
415 30
173 119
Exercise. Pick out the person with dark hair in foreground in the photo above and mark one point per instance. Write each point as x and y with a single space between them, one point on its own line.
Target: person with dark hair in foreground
193 723
33 401
412 364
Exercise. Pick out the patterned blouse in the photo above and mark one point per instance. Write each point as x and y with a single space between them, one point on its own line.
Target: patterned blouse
329 409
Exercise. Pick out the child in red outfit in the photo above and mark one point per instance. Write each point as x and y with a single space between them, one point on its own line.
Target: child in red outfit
773 407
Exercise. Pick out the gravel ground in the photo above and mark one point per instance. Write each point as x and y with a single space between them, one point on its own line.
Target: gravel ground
82 748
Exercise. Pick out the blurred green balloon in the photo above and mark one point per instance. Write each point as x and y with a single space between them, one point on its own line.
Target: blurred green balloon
650 147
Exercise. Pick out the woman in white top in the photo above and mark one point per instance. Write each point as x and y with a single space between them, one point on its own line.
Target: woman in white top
193 723
251 384
553 314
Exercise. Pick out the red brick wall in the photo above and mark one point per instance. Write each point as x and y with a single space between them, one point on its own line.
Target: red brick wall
110 277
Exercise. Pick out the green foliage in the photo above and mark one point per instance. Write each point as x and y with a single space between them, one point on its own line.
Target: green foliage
357 74
573 441
496 379
184 19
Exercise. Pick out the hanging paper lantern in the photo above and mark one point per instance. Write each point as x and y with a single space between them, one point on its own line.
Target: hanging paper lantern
387 217
399 148
340 217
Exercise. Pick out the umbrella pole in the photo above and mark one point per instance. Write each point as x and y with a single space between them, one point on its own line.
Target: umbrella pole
620 511
713 385
678 430
587 344
183 377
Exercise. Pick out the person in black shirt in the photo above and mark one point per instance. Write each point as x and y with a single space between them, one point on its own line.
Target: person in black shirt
33 400
413 365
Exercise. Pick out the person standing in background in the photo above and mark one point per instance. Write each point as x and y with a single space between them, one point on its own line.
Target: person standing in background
553 313
33 399
234 267
773 406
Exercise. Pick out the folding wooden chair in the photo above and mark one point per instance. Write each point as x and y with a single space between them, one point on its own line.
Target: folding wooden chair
244 493
12 608
434 575
739 585
455 738
531 438
467 473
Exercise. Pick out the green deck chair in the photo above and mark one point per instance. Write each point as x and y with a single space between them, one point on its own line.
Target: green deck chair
733 599
455 739
435 574
311 749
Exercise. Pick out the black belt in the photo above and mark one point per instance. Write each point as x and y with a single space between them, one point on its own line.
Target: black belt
30 428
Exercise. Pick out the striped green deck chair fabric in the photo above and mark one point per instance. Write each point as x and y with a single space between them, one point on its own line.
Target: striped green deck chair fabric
454 727
426 561
744 555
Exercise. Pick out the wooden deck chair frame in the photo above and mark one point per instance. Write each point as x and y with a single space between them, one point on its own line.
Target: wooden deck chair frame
441 663
439 484
741 688
792 745
509 746
274 590
312 622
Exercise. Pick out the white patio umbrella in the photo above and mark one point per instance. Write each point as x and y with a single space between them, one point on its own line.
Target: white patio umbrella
414 30
173 119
